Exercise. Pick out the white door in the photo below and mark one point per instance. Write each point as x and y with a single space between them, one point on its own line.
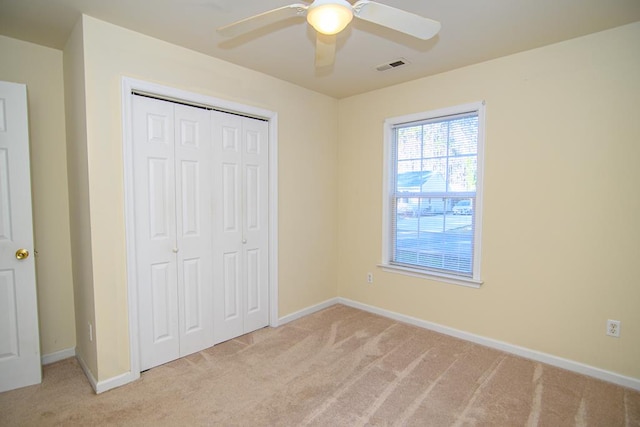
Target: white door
19 336
172 180
241 233
194 228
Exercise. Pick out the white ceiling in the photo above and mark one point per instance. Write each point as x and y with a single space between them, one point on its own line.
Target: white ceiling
472 31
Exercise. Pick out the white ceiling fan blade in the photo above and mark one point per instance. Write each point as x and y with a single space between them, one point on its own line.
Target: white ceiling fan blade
396 19
258 21
325 50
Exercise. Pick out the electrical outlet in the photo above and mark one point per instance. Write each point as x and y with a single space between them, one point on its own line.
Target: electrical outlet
369 277
613 328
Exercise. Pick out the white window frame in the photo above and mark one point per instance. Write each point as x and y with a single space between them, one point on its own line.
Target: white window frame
387 204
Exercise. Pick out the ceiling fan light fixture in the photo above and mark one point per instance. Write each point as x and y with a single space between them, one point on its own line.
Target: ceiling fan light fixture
329 16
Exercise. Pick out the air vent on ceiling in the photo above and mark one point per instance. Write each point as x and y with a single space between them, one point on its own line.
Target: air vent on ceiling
400 62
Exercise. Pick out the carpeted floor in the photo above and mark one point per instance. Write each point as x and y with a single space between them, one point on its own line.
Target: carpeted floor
337 367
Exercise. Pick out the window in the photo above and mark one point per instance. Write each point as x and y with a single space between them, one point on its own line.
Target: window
433 194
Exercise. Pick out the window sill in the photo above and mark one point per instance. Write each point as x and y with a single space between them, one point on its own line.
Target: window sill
440 277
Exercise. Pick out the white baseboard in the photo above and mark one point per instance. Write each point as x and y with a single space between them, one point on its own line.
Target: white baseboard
57 356
87 372
570 365
116 381
108 384
307 311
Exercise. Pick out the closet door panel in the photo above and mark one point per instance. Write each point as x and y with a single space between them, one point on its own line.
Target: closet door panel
155 223
162 289
231 286
160 194
193 296
230 200
191 199
255 165
231 256
227 223
193 151
254 281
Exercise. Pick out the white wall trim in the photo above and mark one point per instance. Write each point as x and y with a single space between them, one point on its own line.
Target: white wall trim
570 365
273 219
87 373
106 385
116 381
129 85
57 356
309 310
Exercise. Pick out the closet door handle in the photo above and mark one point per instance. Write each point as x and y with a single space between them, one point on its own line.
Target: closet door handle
175 250
244 241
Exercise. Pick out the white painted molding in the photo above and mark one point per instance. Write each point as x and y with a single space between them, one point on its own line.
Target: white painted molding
87 373
309 310
570 365
116 381
57 356
273 220
108 384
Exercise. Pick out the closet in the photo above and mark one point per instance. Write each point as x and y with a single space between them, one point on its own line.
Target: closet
201 227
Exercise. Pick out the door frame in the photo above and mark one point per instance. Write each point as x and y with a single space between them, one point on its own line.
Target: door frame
130 85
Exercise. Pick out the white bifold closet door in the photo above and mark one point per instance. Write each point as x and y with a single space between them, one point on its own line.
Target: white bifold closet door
241 232
201 227
174 247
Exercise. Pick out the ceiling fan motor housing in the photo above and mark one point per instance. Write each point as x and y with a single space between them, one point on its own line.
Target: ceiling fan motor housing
329 16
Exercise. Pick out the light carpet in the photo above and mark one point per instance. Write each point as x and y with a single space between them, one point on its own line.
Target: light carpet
337 367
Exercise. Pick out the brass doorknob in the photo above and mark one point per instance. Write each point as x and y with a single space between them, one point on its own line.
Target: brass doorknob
22 254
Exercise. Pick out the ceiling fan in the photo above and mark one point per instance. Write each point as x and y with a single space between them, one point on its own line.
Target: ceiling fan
329 17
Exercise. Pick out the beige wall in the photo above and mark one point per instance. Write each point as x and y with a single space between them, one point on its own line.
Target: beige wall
76 118
40 68
307 171
560 229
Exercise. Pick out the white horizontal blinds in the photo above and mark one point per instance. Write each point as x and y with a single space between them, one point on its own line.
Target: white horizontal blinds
435 172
